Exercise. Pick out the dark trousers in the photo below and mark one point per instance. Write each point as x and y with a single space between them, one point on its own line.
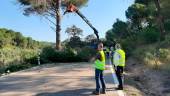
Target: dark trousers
119 74
99 79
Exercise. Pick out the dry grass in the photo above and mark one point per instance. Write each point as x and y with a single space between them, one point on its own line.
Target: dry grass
147 55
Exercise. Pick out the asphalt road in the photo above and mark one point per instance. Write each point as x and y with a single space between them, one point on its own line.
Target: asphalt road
66 79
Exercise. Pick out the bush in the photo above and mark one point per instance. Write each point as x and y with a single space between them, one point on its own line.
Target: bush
14 67
17 67
2 70
51 55
67 55
29 56
15 59
17 56
32 60
70 55
128 45
166 42
86 54
46 54
149 35
147 55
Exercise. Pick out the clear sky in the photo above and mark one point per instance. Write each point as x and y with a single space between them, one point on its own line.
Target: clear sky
101 13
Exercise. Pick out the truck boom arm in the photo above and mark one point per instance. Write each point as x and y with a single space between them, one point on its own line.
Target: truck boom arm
72 8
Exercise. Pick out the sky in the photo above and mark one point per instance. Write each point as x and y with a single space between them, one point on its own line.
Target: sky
101 13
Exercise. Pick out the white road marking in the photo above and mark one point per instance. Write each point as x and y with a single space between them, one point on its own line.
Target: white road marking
120 92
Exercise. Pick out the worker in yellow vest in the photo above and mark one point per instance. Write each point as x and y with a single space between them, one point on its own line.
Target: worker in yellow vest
119 62
99 69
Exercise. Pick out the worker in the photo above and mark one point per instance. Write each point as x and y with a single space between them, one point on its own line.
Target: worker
99 69
112 53
107 53
119 63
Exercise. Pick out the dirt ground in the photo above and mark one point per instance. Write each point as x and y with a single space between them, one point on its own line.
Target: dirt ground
66 79
143 81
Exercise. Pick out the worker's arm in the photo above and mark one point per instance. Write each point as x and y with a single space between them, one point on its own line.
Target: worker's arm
98 56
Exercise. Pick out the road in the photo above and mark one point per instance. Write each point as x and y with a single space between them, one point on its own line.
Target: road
67 79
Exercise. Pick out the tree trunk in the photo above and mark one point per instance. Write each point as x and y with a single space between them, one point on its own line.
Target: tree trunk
160 20
58 23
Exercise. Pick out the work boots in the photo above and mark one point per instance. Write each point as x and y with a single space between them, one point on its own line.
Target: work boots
119 88
98 93
103 91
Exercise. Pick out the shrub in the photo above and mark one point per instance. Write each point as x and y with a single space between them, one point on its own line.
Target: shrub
149 35
46 54
14 67
51 55
70 55
147 55
86 54
67 55
166 42
29 56
32 60
17 56
128 45
17 67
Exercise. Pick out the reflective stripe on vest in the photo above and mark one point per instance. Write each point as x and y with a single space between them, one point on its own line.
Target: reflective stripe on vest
100 64
121 60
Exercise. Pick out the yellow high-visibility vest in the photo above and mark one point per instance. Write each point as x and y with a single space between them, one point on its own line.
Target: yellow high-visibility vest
119 58
100 64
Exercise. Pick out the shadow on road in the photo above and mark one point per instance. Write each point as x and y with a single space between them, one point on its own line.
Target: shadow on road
75 92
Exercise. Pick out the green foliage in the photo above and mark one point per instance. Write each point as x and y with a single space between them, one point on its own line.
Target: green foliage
46 54
152 57
29 56
90 38
165 5
167 26
74 34
16 55
16 51
12 38
141 33
142 1
8 55
145 12
166 42
120 29
110 35
149 35
144 54
67 55
86 53
17 67
75 42
51 55
48 7
6 37
136 13
74 31
14 68
128 45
